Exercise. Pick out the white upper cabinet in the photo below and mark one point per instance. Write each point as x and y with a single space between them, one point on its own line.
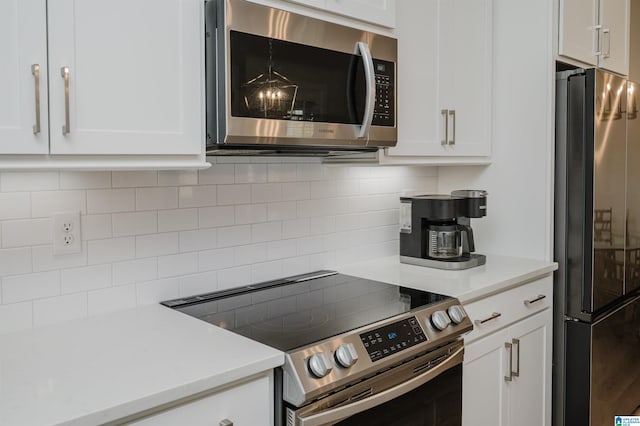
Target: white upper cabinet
133 81
595 32
380 12
444 78
23 77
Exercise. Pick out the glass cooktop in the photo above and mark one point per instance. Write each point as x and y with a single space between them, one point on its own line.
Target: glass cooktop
296 311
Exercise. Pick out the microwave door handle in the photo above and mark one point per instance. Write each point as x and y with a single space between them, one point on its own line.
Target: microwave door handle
370 78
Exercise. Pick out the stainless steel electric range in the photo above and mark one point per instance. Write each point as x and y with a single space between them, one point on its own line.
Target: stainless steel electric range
357 351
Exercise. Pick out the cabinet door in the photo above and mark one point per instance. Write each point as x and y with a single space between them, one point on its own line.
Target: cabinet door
614 20
23 77
578 38
484 398
417 89
530 391
382 12
465 67
245 404
135 76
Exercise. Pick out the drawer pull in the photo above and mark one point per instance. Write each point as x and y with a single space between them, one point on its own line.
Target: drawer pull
509 347
492 317
516 343
226 422
537 299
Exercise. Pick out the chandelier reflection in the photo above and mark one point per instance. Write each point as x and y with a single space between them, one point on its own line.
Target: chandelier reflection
271 94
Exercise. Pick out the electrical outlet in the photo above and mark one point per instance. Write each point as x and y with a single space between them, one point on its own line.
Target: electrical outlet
66 233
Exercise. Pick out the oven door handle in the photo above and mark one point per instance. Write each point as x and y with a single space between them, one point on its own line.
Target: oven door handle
345 411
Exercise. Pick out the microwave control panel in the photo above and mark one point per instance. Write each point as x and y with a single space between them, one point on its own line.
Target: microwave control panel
384 110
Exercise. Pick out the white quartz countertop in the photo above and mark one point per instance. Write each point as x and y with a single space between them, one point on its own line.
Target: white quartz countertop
498 274
103 368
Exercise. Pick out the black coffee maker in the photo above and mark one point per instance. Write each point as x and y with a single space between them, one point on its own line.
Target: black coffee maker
435 230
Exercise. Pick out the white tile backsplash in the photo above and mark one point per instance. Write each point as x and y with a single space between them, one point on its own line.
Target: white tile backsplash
154 235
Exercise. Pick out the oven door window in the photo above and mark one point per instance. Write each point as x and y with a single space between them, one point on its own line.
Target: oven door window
436 403
281 80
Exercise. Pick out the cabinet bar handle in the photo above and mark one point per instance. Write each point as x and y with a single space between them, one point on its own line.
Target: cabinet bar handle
509 348
537 299
492 317
607 32
226 422
516 343
64 71
597 51
445 113
452 113
35 71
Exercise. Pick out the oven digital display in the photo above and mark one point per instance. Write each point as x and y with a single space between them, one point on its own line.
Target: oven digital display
392 338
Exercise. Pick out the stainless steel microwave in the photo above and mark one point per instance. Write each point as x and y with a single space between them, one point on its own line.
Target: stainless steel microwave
283 83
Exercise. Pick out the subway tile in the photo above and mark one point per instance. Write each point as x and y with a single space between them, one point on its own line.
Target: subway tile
111 299
268 231
22 233
295 228
377 186
15 205
251 173
44 204
322 189
137 223
177 220
86 278
282 211
197 196
295 191
281 249
266 192
133 271
250 213
313 208
29 181
15 261
59 309
177 177
234 277
310 245
152 292
177 265
322 225
324 260
234 236
311 172
111 250
210 260
217 174
200 239
210 217
296 265
85 180
233 160
282 172
21 288
96 226
157 245
16 316
346 188
191 285
156 198
246 255
266 271
134 179
45 260
234 194
110 200
348 222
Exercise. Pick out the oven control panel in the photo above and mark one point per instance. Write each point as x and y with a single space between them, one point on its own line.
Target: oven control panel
392 338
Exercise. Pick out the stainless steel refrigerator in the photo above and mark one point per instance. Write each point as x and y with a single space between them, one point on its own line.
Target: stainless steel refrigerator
597 246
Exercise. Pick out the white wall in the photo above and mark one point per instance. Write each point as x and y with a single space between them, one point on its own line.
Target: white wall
152 236
519 179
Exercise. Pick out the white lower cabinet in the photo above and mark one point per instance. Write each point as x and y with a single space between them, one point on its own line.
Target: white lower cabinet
246 404
507 366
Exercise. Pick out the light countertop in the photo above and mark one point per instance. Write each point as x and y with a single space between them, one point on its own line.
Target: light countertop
498 274
106 367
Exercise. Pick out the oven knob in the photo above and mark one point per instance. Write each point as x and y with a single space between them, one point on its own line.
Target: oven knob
319 364
440 320
456 313
346 355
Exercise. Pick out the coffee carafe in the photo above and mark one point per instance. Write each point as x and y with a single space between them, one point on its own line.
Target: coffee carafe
435 230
